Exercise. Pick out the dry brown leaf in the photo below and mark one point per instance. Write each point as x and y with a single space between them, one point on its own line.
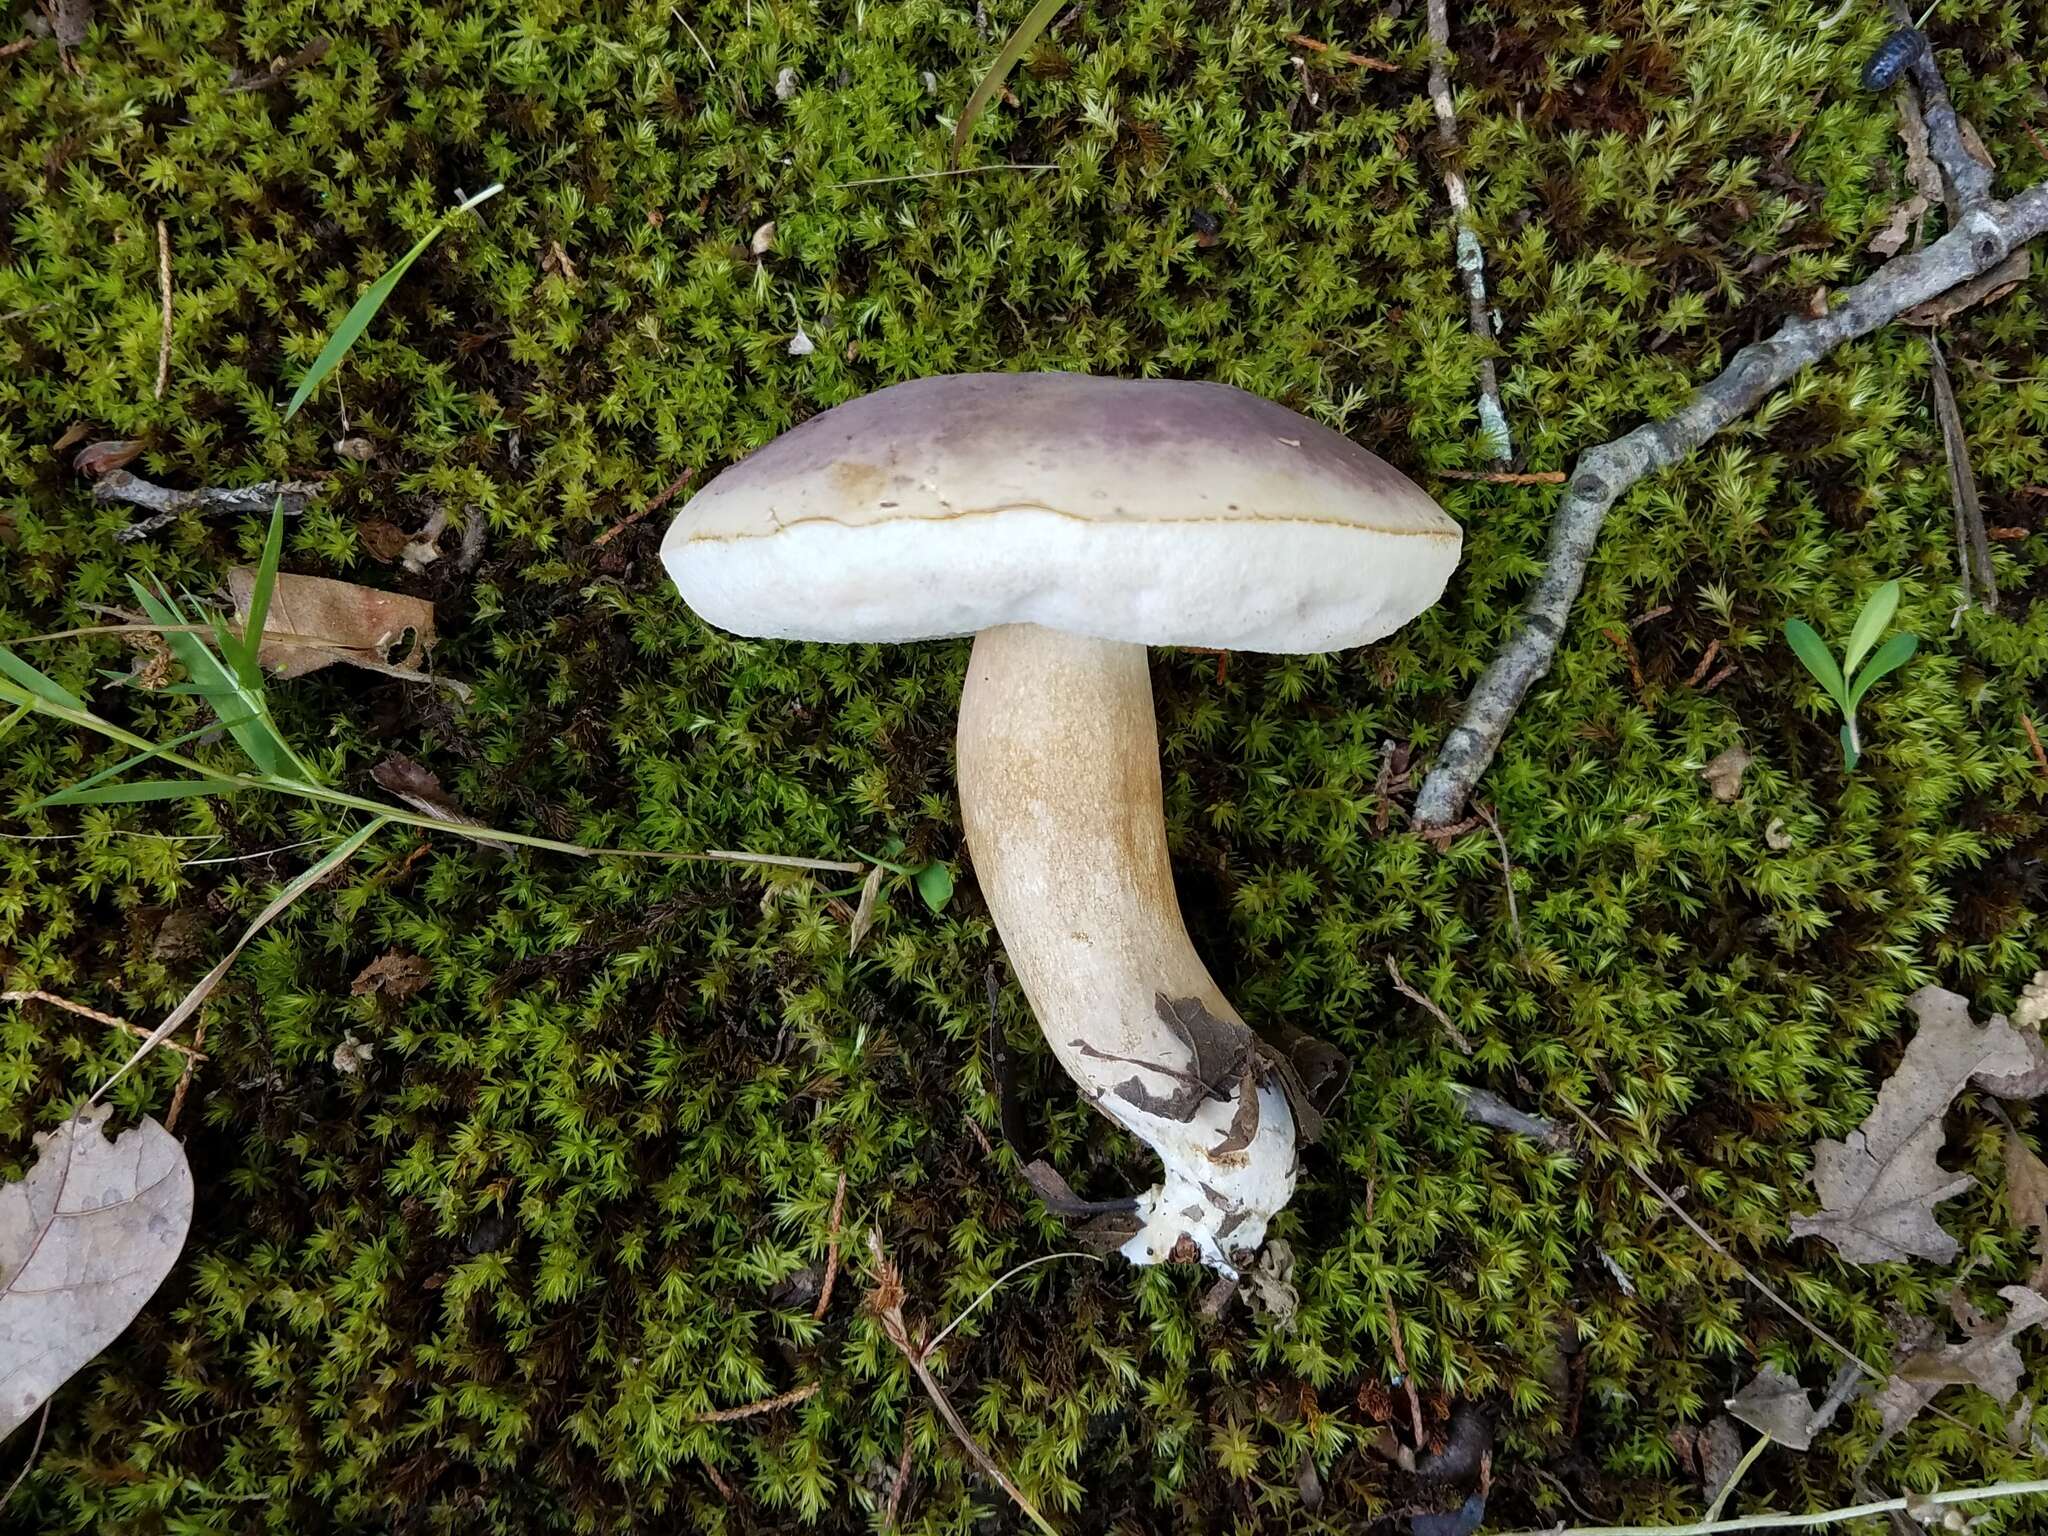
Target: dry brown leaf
359 449
114 453
2026 1198
73 435
1720 1452
352 624
421 790
1988 289
1776 1404
557 261
395 975
1905 218
1724 774
1987 1360
764 239
85 1240
864 914
1878 1188
383 539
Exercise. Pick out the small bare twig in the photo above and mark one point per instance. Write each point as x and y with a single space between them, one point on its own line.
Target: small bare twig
887 1304
1979 242
831 1251
207 501
655 503
1507 864
8 51
1407 1376
789 1399
1706 661
192 1059
902 1481
280 70
1973 544
1917 1502
1363 61
1504 476
1968 179
163 277
34 1450
190 1052
1483 1107
1493 420
1421 1000
2034 741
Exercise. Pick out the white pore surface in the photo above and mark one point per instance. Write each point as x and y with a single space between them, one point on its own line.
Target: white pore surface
1271 585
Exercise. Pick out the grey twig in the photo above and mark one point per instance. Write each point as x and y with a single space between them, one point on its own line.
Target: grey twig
207 501
1968 178
1493 420
1483 1107
1981 239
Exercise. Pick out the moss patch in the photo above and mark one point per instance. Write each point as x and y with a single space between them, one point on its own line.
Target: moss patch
580 1191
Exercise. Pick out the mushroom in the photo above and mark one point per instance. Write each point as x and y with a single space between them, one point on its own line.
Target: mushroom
1067 523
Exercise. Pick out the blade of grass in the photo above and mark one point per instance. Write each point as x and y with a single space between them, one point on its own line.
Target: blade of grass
145 789
247 668
21 713
62 796
347 849
1811 649
1872 622
253 730
1891 656
364 310
37 683
1035 22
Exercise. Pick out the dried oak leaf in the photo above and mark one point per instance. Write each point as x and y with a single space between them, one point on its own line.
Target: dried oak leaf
1878 1188
85 1240
1776 1404
114 453
395 975
2026 1198
384 539
383 631
1988 1360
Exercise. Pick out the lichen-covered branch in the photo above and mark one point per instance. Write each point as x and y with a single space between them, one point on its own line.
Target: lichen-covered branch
1471 257
1981 240
207 501
1968 179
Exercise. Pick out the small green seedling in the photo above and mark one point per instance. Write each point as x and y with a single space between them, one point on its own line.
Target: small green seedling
1845 684
934 881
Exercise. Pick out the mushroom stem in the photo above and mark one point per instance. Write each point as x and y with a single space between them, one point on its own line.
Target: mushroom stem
1060 795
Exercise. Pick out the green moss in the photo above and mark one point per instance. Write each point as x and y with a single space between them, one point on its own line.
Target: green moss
487 1283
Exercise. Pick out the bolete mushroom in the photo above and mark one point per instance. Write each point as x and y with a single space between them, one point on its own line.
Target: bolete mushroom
1067 523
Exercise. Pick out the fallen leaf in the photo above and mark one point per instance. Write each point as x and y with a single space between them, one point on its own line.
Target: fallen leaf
1776 1404
2026 1197
557 261
1816 306
1309 1482
764 239
864 914
1724 774
421 790
352 1055
1720 1454
85 1240
1271 1283
73 435
395 975
2031 1012
70 20
1905 218
1878 1188
1973 143
360 449
1988 1361
1988 289
348 623
114 453
385 541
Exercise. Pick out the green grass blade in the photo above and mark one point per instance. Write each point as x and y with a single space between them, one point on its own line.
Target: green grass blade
1028 30
230 701
358 319
246 666
1851 756
144 789
1813 651
20 714
1891 656
348 849
67 795
37 683
1872 622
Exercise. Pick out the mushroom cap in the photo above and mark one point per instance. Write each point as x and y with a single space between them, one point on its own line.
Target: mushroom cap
1155 511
